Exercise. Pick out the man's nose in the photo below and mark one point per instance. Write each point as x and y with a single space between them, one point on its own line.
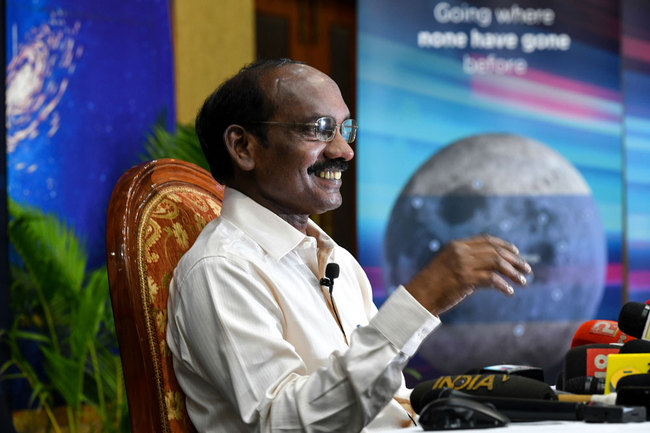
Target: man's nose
339 148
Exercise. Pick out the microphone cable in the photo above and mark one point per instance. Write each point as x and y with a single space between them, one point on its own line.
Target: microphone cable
331 272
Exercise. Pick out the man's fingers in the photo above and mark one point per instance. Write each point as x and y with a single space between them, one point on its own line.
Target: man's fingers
517 261
495 242
502 261
500 284
513 266
488 244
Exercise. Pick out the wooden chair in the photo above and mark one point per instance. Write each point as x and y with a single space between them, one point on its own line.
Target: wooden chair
155 213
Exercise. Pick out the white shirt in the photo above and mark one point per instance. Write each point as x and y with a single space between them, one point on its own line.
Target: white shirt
256 346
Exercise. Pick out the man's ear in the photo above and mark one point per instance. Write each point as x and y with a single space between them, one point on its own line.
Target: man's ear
239 143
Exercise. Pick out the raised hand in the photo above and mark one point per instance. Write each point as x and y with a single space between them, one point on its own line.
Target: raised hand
465 265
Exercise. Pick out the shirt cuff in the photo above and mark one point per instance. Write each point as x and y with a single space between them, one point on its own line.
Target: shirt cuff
405 335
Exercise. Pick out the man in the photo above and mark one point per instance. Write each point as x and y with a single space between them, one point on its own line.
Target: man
258 343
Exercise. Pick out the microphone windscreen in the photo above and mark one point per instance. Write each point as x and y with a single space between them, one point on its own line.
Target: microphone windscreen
598 332
587 360
636 346
492 385
642 379
634 390
332 271
633 317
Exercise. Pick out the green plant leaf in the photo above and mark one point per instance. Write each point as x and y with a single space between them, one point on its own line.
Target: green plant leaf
64 310
66 376
182 144
5 366
87 314
49 250
32 336
38 391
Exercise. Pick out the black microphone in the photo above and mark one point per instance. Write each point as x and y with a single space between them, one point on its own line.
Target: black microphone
524 409
585 385
634 390
331 272
482 385
636 346
586 364
634 320
516 409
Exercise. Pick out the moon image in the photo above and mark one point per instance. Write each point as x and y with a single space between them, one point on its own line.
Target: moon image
520 190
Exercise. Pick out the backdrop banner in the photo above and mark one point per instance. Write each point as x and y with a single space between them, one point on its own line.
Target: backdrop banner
85 84
86 81
500 117
636 88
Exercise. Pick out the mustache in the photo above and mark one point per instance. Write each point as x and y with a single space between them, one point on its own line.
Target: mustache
330 164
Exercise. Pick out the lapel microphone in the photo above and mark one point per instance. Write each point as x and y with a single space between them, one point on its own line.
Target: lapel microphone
332 272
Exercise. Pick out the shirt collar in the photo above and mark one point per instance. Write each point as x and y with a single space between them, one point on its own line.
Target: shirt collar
276 236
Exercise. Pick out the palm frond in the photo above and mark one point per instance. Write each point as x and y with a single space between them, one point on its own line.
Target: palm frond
181 144
49 250
65 374
64 311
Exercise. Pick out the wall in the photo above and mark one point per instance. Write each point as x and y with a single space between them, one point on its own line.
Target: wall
212 40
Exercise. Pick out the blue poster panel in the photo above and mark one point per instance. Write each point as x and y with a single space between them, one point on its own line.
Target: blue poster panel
499 117
86 81
636 86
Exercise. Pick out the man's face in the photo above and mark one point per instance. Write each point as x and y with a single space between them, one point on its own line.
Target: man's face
295 173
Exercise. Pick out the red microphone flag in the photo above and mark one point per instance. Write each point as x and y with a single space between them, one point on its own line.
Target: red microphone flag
599 332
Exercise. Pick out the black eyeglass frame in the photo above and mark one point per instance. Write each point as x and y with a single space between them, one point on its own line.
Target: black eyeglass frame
328 127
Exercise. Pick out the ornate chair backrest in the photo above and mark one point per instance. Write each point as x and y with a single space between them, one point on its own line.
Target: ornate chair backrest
155 213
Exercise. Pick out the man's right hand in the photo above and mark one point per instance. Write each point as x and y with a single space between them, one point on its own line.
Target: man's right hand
465 265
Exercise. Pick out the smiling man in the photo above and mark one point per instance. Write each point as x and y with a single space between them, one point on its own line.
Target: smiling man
261 342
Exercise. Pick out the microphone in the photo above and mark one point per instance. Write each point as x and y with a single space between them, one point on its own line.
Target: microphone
634 390
599 332
516 409
585 385
620 365
636 346
332 272
493 385
523 409
634 320
584 367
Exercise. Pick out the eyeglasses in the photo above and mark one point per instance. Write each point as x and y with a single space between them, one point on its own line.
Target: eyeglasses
324 128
